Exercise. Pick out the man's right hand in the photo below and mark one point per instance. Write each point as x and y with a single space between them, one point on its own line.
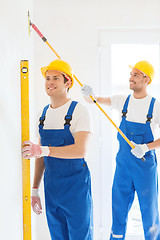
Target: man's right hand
86 90
36 202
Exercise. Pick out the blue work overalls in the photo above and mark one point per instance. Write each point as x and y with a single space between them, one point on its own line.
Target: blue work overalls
132 174
67 186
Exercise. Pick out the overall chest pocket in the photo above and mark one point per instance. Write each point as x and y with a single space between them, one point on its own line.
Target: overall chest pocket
52 138
137 136
52 142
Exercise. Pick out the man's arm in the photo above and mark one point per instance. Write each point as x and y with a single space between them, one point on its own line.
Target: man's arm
87 91
38 171
140 149
153 145
101 100
76 150
104 100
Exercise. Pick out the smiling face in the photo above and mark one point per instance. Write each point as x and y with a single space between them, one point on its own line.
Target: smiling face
138 81
55 84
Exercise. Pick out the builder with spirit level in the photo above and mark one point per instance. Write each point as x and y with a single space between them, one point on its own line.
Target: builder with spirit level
64 133
140 114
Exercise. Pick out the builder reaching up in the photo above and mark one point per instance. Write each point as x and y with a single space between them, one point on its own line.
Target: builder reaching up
140 116
64 132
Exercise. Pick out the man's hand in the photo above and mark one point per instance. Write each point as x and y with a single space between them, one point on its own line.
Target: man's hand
86 90
36 202
34 150
139 150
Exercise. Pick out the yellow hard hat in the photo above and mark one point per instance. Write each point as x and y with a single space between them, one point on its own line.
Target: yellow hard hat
60 66
146 68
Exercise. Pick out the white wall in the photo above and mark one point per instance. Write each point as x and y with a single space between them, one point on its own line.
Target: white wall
71 27
14 47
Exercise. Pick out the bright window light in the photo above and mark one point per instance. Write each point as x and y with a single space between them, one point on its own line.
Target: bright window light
123 55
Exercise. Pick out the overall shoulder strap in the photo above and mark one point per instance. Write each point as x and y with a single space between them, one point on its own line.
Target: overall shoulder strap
150 111
68 117
42 118
125 107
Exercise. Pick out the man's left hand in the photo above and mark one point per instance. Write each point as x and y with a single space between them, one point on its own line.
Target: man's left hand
139 150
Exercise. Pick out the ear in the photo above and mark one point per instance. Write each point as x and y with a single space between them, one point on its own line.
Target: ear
68 83
147 79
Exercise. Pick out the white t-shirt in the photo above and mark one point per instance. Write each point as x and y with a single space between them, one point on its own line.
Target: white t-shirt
81 120
137 109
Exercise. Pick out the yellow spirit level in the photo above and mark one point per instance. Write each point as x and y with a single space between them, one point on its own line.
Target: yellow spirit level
25 162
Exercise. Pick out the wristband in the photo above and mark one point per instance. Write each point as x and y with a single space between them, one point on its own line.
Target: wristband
145 147
35 192
45 151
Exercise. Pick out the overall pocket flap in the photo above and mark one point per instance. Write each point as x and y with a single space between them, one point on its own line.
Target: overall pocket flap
137 132
55 142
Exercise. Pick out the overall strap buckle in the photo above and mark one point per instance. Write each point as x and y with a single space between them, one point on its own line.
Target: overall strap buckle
149 117
124 113
67 119
41 119
125 107
150 111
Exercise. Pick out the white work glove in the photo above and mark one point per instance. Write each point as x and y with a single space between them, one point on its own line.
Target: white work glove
34 150
36 202
86 90
139 150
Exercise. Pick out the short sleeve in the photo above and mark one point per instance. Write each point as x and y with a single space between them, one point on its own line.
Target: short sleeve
117 101
82 118
157 112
